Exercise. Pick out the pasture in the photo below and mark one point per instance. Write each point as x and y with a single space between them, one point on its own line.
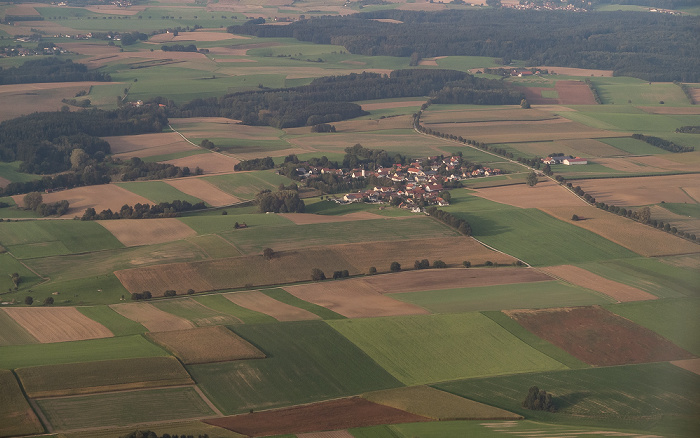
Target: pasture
630 91
102 376
116 409
206 345
209 224
512 296
158 191
658 398
307 361
8 266
633 146
215 246
407 347
123 347
16 416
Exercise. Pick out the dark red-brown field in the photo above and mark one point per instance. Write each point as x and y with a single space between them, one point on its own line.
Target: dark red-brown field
332 415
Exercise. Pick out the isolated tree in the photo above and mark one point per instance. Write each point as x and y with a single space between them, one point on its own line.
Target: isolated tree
317 274
439 264
539 400
16 279
645 215
395 267
29 301
372 270
190 291
170 293
268 253
33 200
48 301
467 264
523 103
575 217
532 179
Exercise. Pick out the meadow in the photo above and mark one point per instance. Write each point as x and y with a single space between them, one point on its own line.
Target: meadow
11 333
158 191
247 185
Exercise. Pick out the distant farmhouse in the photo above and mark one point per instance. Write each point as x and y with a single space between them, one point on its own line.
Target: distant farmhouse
564 159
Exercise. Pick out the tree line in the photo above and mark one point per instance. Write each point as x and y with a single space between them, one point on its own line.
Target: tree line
50 69
143 211
285 201
654 47
663 144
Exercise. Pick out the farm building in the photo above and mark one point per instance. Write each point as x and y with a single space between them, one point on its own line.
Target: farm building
574 161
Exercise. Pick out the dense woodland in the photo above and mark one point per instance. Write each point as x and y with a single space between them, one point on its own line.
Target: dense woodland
49 69
654 47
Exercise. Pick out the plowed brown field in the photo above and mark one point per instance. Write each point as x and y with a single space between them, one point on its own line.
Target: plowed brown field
625 192
353 299
597 336
148 145
692 365
574 93
581 277
206 345
436 279
4 182
209 163
135 232
331 415
260 302
202 189
57 324
544 194
154 319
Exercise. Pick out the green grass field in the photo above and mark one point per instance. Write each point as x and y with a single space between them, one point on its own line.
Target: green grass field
622 90
118 408
287 298
307 361
433 348
10 171
116 323
215 246
530 234
158 191
536 295
124 347
690 210
12 333
220 304
14 212
29 239
196 312
218 223
633 146
674 319
16 416
654 397
8 266
102 376
247 185
98 289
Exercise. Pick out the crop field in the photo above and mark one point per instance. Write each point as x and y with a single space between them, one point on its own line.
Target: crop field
12 333
206 345
671 318
246 185
199 314
219 303
287 298
686 222
641 191
404 140
353 299
307 361
623 90
209 224
118 408
597 336
201 189
99 197
336 414
158 191
16 416
581 277
123 347
102 376
653 397
154 319
59 324
134 232
624 232
511 113
633 146
215 246
116 323
407 347
535 295
438 405
29 98
208 162
545 194
259 302
29 239
308 218
147 145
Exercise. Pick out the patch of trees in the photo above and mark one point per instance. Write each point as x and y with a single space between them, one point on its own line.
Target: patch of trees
689 129
688 91
323 127
151 434
255 164
133 38
75 102
34 201
341 274
143 211
449 219
179 48
317 275
286 201
50 69
663 144
594 91
539 400
359 155
654 47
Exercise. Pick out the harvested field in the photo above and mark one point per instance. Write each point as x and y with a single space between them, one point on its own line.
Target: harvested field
294 265
99 197
260 302
57 324
574 93
331 415
692 365
209 163
308 218
154 319
667 162
624 165
202 189
136 232
438 405
220 127
388 105
545 194
353 299
195 36
687 223
597 336
23 10
148 145
626 192
634 236
581 277
569 71
436 279
206 345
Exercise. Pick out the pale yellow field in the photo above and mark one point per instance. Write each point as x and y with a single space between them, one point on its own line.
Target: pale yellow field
260 302
209 163
57 324
202 189
581 277
692 365
151 317
135 232
308 218
206 345
545 194
625 192
195 36
148 145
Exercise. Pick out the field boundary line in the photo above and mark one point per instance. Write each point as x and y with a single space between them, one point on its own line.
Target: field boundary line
207 401
499 251
40 414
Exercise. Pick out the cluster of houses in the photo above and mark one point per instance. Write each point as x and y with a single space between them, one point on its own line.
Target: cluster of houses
567 160
23 51
544 6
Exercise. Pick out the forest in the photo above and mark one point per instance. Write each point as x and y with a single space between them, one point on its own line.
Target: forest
653 47
50 69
